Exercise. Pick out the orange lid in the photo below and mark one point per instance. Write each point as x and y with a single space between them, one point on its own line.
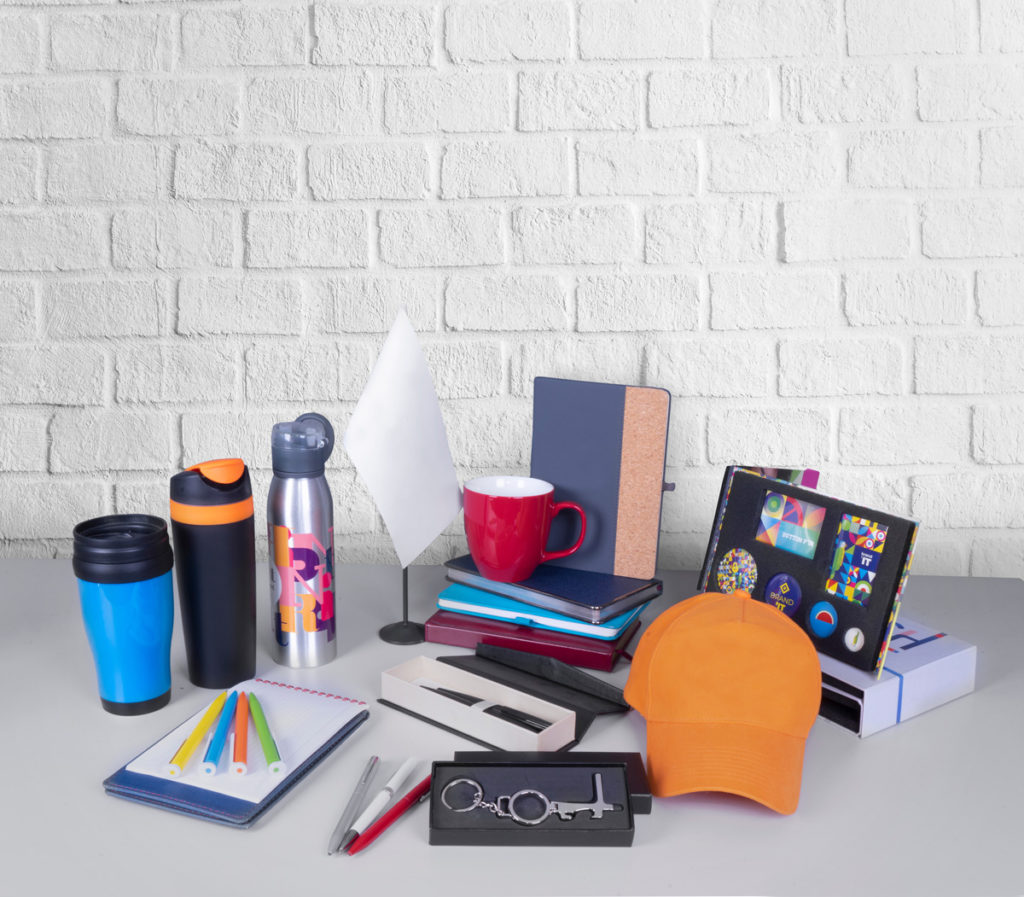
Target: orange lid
730 688
222 470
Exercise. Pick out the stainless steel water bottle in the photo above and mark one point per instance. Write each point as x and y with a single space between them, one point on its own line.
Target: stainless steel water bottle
300 530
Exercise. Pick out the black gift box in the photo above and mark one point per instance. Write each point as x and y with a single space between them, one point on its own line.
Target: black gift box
545 678
636 774
515 787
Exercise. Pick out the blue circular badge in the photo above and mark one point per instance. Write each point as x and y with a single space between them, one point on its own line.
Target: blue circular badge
783 592
822 619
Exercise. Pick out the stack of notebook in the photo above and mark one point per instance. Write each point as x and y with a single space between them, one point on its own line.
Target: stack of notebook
602 446
579 617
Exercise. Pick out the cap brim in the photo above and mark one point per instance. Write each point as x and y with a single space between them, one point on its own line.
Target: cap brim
752 762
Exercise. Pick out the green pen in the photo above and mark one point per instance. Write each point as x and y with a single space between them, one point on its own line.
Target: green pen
274 762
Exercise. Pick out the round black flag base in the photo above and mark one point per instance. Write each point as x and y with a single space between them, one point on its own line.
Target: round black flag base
404 632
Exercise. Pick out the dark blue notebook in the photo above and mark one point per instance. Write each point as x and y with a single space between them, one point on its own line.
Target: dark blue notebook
603 446
581 594
306 724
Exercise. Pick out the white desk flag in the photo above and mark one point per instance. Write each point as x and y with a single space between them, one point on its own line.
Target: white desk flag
398 444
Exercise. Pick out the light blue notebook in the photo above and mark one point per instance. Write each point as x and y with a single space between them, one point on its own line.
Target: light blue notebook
478 603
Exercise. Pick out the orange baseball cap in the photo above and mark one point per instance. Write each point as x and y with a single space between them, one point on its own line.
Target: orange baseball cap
730 688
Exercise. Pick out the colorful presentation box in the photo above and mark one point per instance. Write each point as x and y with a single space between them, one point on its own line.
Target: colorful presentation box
835 568
924 669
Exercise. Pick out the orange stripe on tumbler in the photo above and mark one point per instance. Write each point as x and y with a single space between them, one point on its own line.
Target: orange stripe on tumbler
211 515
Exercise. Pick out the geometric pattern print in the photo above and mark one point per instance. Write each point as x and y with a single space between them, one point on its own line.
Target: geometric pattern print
858 549
790 524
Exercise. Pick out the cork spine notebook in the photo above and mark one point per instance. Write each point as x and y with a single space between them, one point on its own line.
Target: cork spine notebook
603 446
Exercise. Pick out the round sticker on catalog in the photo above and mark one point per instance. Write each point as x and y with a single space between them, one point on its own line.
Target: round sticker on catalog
737 570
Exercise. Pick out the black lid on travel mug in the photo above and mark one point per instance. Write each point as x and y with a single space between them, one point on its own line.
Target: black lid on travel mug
121 548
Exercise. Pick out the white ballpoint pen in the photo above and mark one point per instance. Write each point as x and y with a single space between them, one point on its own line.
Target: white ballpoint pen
380 801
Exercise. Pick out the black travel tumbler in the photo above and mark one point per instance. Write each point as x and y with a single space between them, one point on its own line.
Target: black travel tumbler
215 548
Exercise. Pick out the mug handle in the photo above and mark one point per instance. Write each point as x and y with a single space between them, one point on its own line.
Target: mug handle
563 506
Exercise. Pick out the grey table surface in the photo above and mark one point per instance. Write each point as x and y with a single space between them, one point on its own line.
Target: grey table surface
931 806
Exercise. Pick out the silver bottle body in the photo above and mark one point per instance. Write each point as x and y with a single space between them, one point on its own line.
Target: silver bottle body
304 506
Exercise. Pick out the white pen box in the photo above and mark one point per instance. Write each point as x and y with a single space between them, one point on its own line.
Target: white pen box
923 669
406 687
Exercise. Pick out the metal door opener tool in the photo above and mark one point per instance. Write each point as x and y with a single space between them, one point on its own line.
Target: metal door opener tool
515 806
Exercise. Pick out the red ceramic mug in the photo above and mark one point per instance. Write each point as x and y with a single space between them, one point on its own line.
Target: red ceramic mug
507 524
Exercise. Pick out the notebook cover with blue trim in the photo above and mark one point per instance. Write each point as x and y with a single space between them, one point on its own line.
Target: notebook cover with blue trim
307 726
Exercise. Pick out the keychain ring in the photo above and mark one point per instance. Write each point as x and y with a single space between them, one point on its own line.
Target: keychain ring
528 820
477 798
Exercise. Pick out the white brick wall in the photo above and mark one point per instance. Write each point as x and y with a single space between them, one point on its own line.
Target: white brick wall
81 172
803 217
508 32
243 35
373 34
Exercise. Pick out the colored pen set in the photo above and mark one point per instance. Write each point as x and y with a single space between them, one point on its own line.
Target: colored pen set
356 830
226 711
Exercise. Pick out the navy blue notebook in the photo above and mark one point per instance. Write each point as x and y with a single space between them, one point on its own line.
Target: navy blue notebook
581 594
306 724
603 446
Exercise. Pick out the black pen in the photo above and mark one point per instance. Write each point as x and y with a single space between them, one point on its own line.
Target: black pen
509 714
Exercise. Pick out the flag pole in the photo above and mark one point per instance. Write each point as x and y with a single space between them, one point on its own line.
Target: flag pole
403 632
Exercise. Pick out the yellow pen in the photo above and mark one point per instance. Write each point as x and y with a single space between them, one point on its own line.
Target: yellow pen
188 746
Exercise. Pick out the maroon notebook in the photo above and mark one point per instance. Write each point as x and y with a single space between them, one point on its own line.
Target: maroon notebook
448 628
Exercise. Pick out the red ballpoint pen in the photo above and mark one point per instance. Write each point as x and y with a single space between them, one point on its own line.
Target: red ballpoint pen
401 806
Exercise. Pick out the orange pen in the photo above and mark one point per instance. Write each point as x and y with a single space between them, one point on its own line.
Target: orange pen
238 760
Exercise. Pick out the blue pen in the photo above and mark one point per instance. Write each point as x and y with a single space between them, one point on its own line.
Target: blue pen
220 736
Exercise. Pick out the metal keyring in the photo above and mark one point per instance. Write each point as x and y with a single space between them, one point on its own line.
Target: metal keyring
477 799
524 820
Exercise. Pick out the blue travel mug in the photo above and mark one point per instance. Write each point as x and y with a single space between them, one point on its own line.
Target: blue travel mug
123 564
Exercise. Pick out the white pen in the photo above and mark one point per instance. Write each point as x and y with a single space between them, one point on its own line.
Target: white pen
377 805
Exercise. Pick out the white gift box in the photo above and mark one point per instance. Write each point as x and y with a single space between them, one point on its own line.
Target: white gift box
924 668
402 687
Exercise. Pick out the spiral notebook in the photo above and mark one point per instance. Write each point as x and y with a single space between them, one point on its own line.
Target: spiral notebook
307 725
